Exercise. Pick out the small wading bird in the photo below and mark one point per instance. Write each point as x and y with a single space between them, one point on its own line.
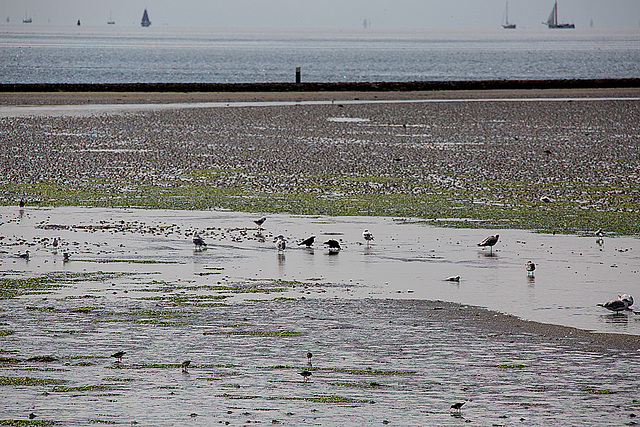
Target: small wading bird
490 241
308 241
457 406
366 234
622 303
24 255
21 204
305 375
260 221
333 245
453 279
118 355
530 268
281 244
185 365
65 257
199 242
309 356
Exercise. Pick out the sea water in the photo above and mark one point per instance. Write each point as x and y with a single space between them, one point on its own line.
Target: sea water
49 54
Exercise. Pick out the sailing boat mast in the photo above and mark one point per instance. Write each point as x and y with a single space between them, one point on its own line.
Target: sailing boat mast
145 19
552 20
506 24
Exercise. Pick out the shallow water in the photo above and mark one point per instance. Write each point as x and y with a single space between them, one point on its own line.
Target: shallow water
381 354
407 259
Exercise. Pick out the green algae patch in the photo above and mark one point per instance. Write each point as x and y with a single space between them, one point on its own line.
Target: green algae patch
28 423
6 333
507 366
82 388
256 333
327 399
369 385
28 381
591 390
11 287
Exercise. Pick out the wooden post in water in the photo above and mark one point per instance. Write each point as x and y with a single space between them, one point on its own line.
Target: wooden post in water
297 75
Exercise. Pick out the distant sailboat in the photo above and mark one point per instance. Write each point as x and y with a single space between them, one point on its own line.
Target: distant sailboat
145 19
27 20
79 23
111 21
506 24
552 20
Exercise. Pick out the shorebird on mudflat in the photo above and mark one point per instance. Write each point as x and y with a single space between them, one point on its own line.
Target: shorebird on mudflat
199 242
21 204
260 221
366 234
305 374
308 241
118 355
185 365
490 241
333 245
530 266
309 356
621 304
457 406
281 244
24 256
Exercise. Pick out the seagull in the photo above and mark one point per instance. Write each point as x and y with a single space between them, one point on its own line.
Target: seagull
457 406
21 204
367 236
24 255
599 233
309 356
281 244
185 365
334 246
118 355
305 374
490 241
65 257
546 199
55 242
530 268
615 305
308 241
453 279
199 242
260 221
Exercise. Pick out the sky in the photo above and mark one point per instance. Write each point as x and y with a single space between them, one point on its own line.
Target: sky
319 14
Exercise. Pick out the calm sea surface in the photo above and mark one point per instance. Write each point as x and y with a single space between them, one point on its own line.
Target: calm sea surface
32 54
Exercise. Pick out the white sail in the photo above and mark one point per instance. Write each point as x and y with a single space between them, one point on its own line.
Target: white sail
552 16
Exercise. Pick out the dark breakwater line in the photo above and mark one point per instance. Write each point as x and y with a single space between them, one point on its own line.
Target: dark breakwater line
323 87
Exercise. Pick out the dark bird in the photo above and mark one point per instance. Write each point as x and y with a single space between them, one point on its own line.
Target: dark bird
118 355
185 365
308 241
24 255
309 356
619 304
32 416
21 204
281 244
198 241
457 406
55 243
453 279
546 199
305 374
490 241
366 234
530 268
260 221
333 245
65 257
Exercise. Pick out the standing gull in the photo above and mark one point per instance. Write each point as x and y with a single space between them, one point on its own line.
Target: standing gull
530 268
309 356
490 241
457 406
622 303
308 241
24 256
305 374
281 244
118 355
185 365
199 242
366 234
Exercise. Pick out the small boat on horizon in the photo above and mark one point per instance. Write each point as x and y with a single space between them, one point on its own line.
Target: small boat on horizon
27 20
145 19
552 20
507 25
110 21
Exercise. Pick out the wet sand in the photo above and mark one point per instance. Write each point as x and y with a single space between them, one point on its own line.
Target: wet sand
413 358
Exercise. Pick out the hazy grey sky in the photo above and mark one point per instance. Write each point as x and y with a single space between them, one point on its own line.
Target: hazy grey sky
347 14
